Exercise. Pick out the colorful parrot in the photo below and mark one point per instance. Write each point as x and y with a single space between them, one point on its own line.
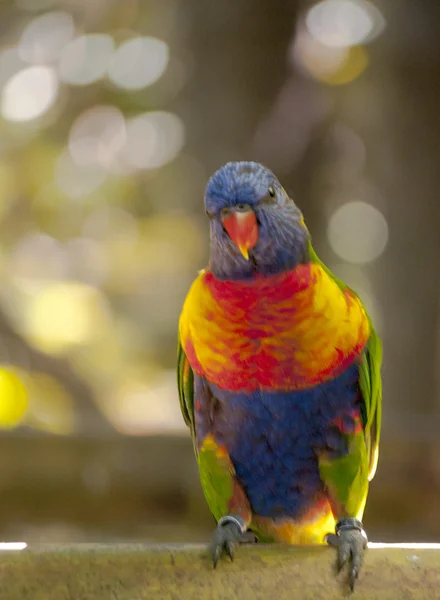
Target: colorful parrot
278 376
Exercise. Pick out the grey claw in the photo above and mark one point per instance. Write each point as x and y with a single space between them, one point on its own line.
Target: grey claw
344 554
215 554
230 550
351 542
225 538
352 577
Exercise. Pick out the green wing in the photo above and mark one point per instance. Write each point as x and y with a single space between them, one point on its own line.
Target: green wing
185 386
347 477
369 379
371 388
217 474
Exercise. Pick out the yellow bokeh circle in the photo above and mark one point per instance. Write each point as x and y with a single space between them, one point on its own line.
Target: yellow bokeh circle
13 399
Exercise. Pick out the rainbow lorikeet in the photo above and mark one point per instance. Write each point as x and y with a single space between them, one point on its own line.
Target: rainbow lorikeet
278 376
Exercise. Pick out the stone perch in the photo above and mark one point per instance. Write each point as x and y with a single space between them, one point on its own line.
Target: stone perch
184 572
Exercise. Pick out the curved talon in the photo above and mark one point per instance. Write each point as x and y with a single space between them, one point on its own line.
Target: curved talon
351 541
230 550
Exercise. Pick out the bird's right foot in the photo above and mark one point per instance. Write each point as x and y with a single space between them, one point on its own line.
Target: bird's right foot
351 541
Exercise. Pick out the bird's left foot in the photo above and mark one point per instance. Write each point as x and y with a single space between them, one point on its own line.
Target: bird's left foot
230 531
351 541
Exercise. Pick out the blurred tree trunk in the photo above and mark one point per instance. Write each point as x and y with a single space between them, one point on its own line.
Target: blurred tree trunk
240 50
409 272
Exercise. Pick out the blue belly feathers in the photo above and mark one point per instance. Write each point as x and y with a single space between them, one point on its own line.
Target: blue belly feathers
273 438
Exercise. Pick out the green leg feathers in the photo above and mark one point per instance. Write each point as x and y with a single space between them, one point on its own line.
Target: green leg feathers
223 493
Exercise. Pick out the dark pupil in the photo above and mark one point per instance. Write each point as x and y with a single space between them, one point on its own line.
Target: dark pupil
271 191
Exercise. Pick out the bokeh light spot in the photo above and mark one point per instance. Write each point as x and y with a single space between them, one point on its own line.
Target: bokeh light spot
85 59
315 58
342 23
66 314
138 62
153 139
333 66
358 232
29 94
13 399
352 66
45 37
97 136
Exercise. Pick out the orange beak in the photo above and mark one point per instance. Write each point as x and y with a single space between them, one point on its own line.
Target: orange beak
242 228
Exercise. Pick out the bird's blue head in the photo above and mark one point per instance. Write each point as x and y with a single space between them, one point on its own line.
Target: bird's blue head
255 227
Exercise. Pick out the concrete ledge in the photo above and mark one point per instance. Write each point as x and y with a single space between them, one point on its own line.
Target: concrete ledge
269 572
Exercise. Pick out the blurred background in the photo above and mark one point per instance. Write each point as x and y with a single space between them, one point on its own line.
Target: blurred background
113 115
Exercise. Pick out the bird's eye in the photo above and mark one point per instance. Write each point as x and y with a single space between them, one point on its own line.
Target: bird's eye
242 207
270 197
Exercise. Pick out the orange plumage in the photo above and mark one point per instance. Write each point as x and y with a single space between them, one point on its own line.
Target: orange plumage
266 340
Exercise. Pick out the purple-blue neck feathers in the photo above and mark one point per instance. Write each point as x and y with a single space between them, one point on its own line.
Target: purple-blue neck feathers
282 237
